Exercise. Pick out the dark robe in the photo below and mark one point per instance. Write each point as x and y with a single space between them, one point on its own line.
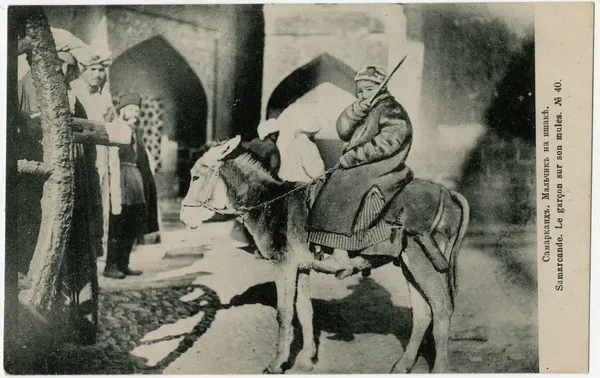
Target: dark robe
150 195
377 148
29 188
87 224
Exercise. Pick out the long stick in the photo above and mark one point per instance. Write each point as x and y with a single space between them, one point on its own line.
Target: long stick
387 79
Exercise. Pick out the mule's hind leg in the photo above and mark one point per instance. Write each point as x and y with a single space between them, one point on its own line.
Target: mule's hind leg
442 312
432 249
304 311
434 286
286 293
421 318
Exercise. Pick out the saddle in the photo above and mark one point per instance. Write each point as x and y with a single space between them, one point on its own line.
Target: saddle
414 206
414 210
418 206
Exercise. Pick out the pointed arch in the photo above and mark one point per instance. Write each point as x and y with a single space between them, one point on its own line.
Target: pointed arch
324 68
154 67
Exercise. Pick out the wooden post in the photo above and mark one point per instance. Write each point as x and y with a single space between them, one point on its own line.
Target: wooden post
57 201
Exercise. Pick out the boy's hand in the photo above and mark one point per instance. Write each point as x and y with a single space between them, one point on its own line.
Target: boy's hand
361 107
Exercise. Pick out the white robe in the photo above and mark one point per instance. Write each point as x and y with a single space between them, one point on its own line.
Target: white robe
302 160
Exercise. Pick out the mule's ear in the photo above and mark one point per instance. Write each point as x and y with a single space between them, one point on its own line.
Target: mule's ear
230 146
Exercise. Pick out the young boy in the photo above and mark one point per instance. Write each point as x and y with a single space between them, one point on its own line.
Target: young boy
137 188
378 133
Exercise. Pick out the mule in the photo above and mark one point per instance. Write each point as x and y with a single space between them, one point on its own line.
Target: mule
227 180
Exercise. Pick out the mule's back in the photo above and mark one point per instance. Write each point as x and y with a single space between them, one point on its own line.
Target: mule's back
419 203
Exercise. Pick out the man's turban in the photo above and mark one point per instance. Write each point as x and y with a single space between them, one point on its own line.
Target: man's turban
91 55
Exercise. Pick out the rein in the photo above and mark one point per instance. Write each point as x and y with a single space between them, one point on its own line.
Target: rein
243 210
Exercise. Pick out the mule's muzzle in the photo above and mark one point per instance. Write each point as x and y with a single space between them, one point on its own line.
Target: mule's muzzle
193 216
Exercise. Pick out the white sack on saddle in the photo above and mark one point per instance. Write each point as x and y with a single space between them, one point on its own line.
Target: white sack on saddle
288 122
303 161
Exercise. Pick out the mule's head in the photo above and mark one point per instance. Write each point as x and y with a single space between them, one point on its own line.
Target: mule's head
207 193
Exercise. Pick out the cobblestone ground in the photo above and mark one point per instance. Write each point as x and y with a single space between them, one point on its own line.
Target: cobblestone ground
125 318
132 309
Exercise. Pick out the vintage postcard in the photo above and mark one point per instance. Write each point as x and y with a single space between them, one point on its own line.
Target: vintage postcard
290 188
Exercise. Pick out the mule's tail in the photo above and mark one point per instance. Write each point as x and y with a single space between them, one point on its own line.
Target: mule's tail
462 230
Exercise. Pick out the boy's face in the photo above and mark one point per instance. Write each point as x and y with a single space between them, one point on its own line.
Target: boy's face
130 112
365 89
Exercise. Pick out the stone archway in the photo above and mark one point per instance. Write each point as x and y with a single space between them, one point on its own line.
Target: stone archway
324 68
325 85
153 68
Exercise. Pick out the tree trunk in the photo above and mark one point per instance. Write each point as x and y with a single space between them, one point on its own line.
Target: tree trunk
57 200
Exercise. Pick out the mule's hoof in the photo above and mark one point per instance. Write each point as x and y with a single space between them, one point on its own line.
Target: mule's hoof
440 369
400 368
273 370
304 362
366 272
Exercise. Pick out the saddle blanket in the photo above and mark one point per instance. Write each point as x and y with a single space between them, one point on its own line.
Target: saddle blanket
365 233
415 208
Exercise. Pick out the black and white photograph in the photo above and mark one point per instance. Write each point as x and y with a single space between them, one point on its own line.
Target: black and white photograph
291 188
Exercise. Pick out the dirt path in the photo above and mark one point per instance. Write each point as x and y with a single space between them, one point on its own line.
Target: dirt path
362 323
204 306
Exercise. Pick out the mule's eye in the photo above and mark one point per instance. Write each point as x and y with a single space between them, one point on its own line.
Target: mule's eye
194 178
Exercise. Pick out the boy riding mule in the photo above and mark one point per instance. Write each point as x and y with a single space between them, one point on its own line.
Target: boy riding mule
346 215
228 180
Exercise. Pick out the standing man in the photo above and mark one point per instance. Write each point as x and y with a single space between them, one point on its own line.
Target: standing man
133 202
91 101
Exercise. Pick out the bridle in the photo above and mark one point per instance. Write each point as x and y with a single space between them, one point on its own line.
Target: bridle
206 193
212 182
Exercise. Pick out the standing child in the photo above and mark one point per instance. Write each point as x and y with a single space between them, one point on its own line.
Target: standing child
134 214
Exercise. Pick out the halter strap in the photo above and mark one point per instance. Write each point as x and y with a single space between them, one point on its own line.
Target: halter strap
213 179
206 192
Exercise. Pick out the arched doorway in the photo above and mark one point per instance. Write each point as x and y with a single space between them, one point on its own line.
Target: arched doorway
325 85
154 68
324 68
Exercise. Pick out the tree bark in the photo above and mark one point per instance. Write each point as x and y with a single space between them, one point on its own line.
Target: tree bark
57 200
86 131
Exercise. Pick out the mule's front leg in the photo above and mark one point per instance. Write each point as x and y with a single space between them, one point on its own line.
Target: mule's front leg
304 310
286 292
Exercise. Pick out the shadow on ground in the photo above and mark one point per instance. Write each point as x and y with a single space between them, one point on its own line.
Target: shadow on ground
367 310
